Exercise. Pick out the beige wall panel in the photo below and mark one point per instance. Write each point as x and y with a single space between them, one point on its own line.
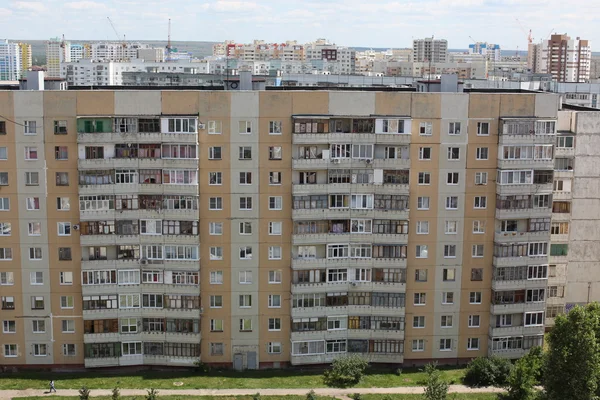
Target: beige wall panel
393 103
60 103
517 105
138 102
215 104
482 105
310 103
426 106
180 102
276 105
95 102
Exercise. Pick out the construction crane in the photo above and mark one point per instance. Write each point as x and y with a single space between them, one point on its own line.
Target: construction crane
169 38
549 34
529 37
124 44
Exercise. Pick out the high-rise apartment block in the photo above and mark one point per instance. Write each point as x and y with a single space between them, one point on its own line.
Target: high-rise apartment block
10 61
26 58
430 50
58 51
489 50
259 229
566 59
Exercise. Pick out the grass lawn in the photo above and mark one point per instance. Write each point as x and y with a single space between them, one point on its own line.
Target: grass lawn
451 396
268 379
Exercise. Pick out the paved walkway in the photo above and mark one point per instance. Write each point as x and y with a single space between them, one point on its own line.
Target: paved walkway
340 393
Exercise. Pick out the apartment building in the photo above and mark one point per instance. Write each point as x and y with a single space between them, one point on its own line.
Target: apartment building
566 59
430 50
58 51
10 61
266 228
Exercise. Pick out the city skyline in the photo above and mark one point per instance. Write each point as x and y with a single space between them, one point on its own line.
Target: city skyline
355 24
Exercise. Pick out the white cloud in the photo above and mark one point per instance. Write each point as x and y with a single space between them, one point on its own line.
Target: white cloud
234 6
32 6
85 5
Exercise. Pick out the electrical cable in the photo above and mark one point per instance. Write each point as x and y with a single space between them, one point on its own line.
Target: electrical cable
10 120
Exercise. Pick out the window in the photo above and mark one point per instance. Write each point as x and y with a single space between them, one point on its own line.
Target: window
419 321
4 204
215 127
60 127
7 279
2 127
275 202
214 153
31 153
3 153
66 302
422 227
33 229
445 344
216 253
32 178
481 178
275 178
131 348
483 129
245 127
245 203
447 297
215 228
245 178
449 274
216 325
216 301
217 349
3 178
245 228
274 127
5 253
274 252
245 277
10 350
275 153
68 326
473 344
449 251
564 142
64 229
476 274
129 301
30 127
69 350
32 203
451 227
63 203
474 321
245 301
424 153
216 277
420 299
482 153
453 153
215 203
478 226
35 253
215 178
421 251
9 326
181 125
420 275
66 278
38 326
451 202
274 324
446 321
245 325
5 228
40 350
275 228
274 347
61 153
274 301
477 251
452 178
534 318
275 276
245 153
152 300
454 128
480 202
475 298
418 345
425 128
36 278
538 249
422 203
424 178
62 179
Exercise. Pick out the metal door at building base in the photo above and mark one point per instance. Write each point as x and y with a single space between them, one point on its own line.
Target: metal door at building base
251 360
238 362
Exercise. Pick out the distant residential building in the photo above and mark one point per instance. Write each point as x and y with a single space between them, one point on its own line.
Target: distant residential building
566 59
10 61
430 50
57 51
115 51
26 59
77 52
486 49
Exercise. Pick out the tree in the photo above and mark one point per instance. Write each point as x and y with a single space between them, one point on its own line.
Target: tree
116 394
572 367
345 371
487 371
84 393
435 388
523 378
152 394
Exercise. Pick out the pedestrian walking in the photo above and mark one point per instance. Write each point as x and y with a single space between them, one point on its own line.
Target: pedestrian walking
52 388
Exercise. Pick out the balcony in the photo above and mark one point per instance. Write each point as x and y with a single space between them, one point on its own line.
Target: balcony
513 237
328 358
108 240
523 213
564 152
521 189
348 334
304 263
517 308
174 361
516 331
325 163
110 264
173 337
102 362
525 164
561 195
104 215
321 287
324 238
137 137
519 260
391 163
498 285
526 139
507 353
326 138
347 213
134 188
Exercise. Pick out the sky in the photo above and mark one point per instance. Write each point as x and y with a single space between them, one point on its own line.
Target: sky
354 23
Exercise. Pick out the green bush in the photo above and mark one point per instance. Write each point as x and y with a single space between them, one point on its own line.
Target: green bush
345 371
311 395
84 393
435 387
152 394
492 371
116 394
256 396
356 396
